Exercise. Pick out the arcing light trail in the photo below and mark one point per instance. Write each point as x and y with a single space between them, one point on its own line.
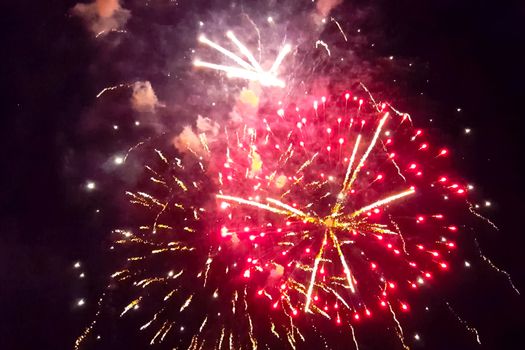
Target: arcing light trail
250 71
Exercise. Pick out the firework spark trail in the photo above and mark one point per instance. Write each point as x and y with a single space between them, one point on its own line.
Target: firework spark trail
259 46
354 336
383 201
121 31
244 50
249 71
495 268
398 230
339 26
314 273
226 53
367 153
323 44
344 190
399 330
111 88
464 323
289 208
130 306
254 204
471 209
392 160
89 329
348 273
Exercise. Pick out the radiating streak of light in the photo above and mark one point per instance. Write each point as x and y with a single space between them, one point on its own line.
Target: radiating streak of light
367 153
249 71
383 201
347 271
314 272
253 204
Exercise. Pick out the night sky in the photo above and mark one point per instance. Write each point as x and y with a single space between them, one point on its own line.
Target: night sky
57 136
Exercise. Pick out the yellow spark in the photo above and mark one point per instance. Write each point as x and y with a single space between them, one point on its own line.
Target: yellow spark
383 201
147 281
252 203
288 207
307 163
180 183
250 332
221 338
203 324
273 330
159 153
131 305
346 269
186 303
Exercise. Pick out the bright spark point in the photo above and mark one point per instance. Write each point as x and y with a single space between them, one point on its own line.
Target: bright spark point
118 160
80 302
90 185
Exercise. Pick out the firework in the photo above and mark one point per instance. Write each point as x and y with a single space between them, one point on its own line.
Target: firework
328 213
249 71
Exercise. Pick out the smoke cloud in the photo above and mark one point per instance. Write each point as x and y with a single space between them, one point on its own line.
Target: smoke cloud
144 98
323 9
190 140
102 16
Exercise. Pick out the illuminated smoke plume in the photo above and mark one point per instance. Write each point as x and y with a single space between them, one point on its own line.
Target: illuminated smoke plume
323 8
102 16
192 141
144 98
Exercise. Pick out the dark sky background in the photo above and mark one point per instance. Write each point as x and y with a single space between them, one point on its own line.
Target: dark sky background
470 51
